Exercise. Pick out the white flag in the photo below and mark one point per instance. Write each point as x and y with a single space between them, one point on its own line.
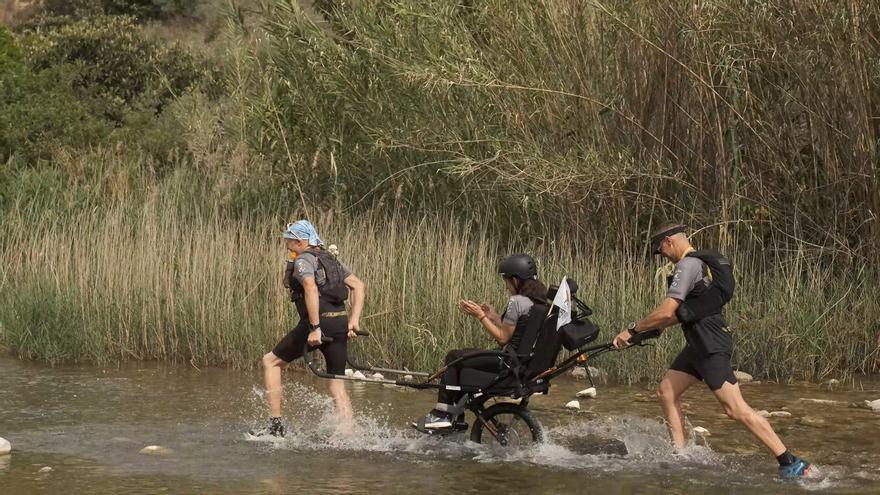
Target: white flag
562 300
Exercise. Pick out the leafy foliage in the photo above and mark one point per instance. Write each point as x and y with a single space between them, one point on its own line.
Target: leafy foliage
116 65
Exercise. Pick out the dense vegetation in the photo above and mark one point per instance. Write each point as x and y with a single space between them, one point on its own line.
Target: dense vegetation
147 162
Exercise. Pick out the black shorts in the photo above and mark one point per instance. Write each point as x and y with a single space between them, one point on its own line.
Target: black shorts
714 369
335 353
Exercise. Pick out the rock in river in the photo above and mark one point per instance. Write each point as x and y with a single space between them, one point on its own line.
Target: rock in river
824 402
579 373
5 446
699 430
873 405
573 405
588 392
780 414
590 444
155 450
808 421
743 377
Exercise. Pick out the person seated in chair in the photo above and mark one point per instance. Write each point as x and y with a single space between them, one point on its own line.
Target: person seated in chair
526 290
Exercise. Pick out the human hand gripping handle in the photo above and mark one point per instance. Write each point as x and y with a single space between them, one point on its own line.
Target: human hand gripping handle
625 338
315 338
354 328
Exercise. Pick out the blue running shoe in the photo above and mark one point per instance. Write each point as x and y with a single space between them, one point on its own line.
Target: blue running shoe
797 469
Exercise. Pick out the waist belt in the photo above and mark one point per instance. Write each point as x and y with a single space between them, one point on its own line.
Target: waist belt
334 314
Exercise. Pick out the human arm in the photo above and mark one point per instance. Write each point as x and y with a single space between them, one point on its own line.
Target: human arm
312 308
687 273
500 332
663 316
357 292
491 313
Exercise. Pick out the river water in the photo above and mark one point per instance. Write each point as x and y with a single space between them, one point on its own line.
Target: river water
88 424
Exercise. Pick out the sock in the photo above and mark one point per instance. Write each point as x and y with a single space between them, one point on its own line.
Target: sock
786 458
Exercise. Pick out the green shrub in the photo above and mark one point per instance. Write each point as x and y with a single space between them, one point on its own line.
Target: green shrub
117 66
140 9
10 54
38 110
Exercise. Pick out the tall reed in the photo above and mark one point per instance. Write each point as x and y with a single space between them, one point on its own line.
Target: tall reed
148 282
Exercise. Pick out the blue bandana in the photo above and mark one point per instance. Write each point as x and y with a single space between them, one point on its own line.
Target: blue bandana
303 229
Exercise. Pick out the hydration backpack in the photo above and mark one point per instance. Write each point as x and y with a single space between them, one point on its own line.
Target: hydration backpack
716 296
332 291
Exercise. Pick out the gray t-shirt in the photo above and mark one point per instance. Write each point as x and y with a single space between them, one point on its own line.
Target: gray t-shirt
517 306
689 273
306 266
709 335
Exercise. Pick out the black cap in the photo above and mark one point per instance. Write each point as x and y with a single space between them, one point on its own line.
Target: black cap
521 266
665 232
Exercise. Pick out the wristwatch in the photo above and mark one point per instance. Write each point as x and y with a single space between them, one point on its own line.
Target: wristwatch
631 328
314 327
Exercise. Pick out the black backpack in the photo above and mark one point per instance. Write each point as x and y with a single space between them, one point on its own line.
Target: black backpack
332 291
717 295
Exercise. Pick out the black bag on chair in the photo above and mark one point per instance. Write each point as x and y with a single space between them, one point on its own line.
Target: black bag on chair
578 333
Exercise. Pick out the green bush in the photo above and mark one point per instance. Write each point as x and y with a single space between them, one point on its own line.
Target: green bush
117 66
38 110
140 9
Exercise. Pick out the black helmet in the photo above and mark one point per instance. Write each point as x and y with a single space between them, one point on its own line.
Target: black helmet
521 266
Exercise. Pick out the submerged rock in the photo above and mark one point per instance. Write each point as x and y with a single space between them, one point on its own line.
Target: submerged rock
699 430
155 450
573 405
45 469
595 445
780 414
743 377
408 378
5 446
824 402
588 392
377 376
358 374
809 421
873 405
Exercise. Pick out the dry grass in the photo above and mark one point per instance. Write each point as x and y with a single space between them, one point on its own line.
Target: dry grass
149 283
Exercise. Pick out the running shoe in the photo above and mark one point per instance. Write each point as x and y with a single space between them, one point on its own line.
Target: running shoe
435 420
275 428
797 469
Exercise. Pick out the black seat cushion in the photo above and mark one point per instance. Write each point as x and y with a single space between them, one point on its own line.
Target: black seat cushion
477 378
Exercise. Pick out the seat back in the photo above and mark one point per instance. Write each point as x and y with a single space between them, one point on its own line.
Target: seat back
547 345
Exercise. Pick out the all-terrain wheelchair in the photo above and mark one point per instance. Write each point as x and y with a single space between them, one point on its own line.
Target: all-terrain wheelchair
524 372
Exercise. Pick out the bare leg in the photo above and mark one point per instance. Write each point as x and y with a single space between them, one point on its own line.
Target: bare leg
730 396
343 405
672 386
272 368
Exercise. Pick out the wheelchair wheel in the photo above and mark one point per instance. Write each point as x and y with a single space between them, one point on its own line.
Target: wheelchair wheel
513 425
